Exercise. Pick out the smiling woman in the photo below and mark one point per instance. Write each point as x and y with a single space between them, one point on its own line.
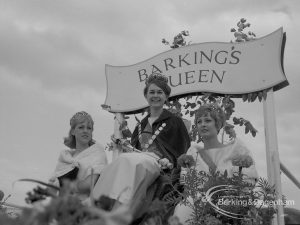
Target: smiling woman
132 178
214 156
84 160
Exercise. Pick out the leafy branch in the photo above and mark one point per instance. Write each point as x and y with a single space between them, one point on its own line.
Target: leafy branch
178 41
239 33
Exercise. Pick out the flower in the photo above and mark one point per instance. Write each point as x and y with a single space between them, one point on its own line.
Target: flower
242 161
186 161
174 220
165 163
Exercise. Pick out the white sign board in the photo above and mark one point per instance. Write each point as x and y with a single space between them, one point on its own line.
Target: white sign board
217 67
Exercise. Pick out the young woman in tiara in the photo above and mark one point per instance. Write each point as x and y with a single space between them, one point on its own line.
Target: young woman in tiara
161 134
214 155
85 158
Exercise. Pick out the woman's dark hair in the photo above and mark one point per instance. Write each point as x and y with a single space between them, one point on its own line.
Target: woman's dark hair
160 81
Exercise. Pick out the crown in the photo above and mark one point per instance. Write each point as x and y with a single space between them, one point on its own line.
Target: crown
210 107
214 106
78 115
156 77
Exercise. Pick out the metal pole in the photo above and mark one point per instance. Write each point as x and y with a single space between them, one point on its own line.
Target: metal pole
289 175
272 155
119 118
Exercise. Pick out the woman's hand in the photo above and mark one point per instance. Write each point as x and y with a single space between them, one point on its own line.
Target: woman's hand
186 161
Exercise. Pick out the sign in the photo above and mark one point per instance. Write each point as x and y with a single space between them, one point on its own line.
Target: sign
217 67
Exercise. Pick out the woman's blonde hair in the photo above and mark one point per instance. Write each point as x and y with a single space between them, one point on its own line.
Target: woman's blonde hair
78 117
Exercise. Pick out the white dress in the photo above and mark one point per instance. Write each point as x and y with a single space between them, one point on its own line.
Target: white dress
221 157
92 159
128 175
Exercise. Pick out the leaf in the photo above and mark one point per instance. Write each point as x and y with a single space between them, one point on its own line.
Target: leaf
235 120
126 133
260 96
192 113
123 125
249 97
193 105
247 129
265 94
39 182
254 96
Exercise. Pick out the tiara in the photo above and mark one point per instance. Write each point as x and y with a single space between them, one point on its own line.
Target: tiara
210 107
213 107
78 115
156 76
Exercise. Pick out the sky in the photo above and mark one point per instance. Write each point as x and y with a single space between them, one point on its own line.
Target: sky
52 64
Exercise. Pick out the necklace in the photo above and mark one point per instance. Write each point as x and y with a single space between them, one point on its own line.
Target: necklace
156 133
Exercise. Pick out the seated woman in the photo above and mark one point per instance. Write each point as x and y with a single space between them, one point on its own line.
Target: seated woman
160 134
84 160
215 155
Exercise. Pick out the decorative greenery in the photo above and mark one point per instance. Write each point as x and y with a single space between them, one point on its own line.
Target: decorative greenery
239 34
179 40
240 197
65 209
3 210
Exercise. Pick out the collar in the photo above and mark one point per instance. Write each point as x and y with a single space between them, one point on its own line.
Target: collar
163 116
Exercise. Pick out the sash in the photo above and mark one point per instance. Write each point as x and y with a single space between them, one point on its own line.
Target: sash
206 158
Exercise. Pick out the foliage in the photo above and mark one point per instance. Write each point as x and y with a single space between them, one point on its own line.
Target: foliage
65 209
240 196
239 34
3 210
178 41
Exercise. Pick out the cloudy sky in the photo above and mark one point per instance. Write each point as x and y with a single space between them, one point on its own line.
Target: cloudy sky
52 64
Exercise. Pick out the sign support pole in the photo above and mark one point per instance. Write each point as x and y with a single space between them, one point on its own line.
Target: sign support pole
272 155
119 118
